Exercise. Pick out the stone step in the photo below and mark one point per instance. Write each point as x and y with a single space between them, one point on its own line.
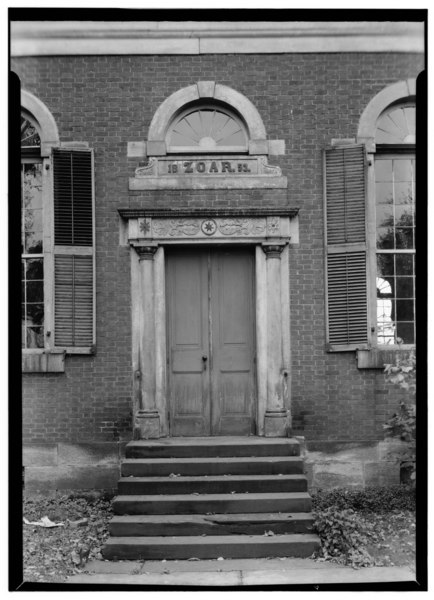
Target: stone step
262 465
220 484
230 524
212 503
210 547
212 447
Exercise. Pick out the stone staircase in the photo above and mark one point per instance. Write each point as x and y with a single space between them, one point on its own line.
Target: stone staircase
206 498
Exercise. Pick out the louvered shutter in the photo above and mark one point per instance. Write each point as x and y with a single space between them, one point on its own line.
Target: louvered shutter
74 283
345 235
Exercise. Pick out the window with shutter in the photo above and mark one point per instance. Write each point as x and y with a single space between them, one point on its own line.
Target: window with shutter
345 238
74 296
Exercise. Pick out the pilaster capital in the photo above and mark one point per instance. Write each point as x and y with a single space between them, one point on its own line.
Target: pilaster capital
273 250
146 252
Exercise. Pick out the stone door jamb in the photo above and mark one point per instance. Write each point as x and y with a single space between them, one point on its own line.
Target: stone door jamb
273 356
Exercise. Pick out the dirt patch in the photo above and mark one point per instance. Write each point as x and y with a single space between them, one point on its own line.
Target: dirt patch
52 554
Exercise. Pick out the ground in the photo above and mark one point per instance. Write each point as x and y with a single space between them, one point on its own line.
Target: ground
53 554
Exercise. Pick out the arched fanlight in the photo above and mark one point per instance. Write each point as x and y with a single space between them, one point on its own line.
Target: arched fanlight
29 134
397 125
207 129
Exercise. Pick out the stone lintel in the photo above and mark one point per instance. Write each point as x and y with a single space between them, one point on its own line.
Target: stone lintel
208 183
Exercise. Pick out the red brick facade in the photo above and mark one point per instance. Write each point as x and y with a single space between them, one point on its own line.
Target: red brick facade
304 99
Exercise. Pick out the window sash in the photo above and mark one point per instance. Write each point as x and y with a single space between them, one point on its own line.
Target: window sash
382 152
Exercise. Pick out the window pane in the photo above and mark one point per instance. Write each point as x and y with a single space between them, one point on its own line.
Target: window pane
385 287
31 208
385 238
35 337
35 314
32 185
404 287
405 331
385 215
34 268
33 242
403 193
383 170
384 193
404 264
404 238
402 169
33 219
404 310
385 264
404 216
35 291
32 303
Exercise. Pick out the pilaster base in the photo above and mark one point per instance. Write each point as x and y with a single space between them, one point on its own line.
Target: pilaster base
146 425
277 424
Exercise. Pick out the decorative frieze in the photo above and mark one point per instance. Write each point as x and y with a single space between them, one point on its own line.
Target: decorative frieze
200 227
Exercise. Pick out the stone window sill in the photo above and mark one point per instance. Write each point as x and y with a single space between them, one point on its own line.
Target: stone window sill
377 358
43 362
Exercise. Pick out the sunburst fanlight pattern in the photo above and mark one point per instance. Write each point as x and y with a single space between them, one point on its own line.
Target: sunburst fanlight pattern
397 126
29 135
207 130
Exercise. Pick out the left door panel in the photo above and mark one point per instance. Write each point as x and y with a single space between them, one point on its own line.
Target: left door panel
187 293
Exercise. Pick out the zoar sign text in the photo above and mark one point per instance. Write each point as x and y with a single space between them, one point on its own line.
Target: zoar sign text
208 167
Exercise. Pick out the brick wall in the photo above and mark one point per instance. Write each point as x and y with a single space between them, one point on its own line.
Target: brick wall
306 100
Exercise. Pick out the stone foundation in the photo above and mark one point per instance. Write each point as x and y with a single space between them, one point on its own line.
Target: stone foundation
95 466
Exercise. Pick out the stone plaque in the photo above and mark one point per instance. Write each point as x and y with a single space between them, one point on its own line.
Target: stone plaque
205 172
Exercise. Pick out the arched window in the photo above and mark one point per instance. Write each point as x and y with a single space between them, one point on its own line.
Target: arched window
32 236
207 128
57 247
370 226
395 169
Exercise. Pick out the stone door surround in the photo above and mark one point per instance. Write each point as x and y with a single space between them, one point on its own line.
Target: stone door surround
270 231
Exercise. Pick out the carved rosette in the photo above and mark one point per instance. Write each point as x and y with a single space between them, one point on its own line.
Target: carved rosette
273 226
145 226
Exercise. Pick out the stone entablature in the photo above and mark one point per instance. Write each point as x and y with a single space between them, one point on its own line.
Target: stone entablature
57 38
177 226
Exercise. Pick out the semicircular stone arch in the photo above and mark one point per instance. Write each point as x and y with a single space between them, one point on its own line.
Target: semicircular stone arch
37 110
207 92
402 91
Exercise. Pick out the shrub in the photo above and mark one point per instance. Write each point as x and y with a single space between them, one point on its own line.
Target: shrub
376 499
402 425
343 536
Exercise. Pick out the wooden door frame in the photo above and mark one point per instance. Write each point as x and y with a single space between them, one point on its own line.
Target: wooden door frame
272 331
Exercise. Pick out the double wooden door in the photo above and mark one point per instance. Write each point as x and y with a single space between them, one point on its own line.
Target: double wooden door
211 324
